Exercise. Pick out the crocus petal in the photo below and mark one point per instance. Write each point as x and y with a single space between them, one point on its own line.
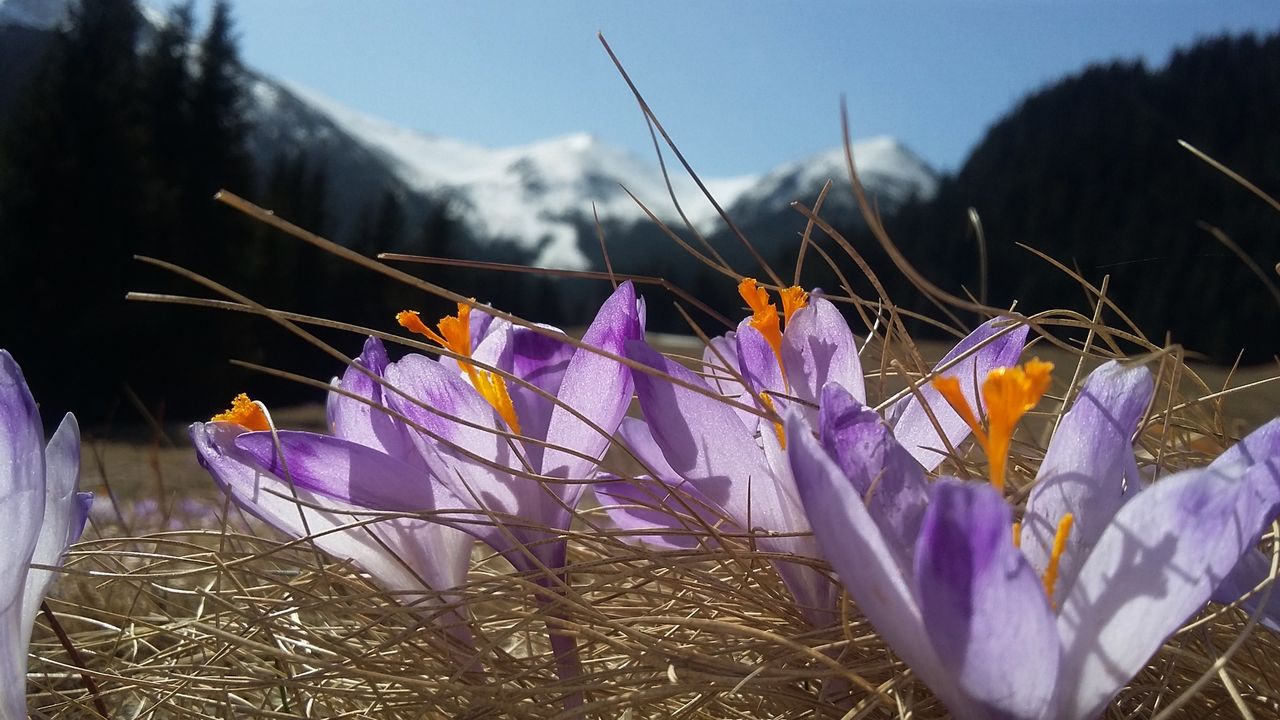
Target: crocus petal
365 422
1254 567
851 541
61 514
459 421
418 555
597 388
1259 446
347 471
818 348
660 516
1088 469
22 497
635 436
814 592
475 462
541 361
757 361
1000 347
1154 566
882 472
983 606
497 348
720 356
704 441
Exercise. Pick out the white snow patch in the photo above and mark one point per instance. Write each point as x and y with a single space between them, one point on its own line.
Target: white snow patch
38 14
528 193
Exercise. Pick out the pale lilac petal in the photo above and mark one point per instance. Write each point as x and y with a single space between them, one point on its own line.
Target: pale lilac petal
758 363
22 498
61 516
481 325
461 448
497 348
814 592
1253 568
911 424
881 470
368 423
418 555
853 544
595 387
1088 468
984 608
704 442
83 503
441 403
1154 566
720 356
347 471
660 515
818 348
635 436
541 361
1259 446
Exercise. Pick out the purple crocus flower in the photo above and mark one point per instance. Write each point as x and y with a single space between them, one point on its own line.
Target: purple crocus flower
719 467
1052 619
561 426
457 437
40 515
413 557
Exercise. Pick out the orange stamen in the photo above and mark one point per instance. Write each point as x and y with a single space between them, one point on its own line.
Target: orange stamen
1059 547
1008 394
764 314
793 299
949 387
777 426
1017 534
244 412
455 336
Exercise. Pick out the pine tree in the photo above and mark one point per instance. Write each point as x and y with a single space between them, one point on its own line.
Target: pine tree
71 211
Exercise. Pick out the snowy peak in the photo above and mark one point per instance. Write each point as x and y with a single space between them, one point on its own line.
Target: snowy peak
36 14
886 167
539 195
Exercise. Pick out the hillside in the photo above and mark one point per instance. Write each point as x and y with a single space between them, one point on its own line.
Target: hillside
1088 170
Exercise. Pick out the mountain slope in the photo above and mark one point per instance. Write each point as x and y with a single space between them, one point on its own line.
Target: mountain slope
539 197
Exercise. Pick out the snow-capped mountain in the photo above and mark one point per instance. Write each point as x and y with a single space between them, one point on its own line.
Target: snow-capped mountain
888 169
36 14
541 194
538 196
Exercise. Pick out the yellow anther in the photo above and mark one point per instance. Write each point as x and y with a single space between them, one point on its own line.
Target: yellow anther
764 314
244 412
1008 394
1059 547
793 299
455 330
1017 534
777 426
455 336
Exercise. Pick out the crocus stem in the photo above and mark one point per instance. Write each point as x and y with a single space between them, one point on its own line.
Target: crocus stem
563 647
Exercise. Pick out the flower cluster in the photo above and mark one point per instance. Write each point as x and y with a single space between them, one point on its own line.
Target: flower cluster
1042 609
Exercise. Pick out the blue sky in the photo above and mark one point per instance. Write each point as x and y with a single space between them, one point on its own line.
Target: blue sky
742 86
